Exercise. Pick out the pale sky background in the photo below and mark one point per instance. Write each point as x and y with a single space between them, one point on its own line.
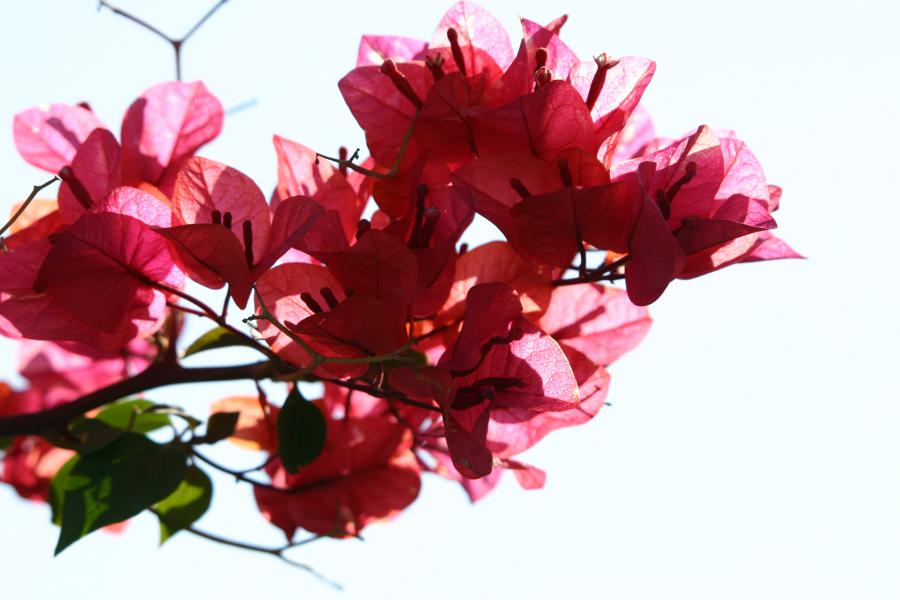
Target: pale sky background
753 446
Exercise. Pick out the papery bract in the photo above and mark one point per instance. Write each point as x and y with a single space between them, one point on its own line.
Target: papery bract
48 137
169 122
63 371
114 253
224 231
96 168
30 466
366 472
496 262
301 173
545 122
501 365
598 321
696 195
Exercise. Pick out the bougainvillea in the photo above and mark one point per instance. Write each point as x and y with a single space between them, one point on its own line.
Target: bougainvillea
430 357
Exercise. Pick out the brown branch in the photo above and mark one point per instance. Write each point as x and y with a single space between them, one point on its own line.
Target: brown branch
602 273
176 43
240 475
386 394
591 277
277 552
155 376
203 20
31 196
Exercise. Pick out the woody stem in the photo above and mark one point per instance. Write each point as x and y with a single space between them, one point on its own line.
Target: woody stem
176 43
278 552
31 196
157 375
603 273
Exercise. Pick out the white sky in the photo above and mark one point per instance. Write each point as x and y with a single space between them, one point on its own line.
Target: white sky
752 449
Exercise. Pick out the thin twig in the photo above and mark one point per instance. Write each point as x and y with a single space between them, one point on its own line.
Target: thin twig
208 312
277 552
176 43
394 168
239 475
185 309
224 313
582 254
171 349
380 393
203 20
603 273
133 19
31 196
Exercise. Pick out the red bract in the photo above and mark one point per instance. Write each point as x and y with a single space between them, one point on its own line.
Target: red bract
223 231
111 252
165 125
301 173
49 137
501 367
367 472
382 110
551 119
551 227
358 327
496 262
547 213
698 196
339 402
293 292
542 56
385 98
436 218
50 288
65 370
433 97
96 169
379 266
594 325
595 320
312 303
30 466
635 137
375 49
481 45
612 89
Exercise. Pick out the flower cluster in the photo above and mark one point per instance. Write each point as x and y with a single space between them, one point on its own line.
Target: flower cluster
433 357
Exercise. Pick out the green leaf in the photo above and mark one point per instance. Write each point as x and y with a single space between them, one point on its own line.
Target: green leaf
87 436
6 442
133 415
218 337
115 483
186 504
58 489
220 426
301 432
